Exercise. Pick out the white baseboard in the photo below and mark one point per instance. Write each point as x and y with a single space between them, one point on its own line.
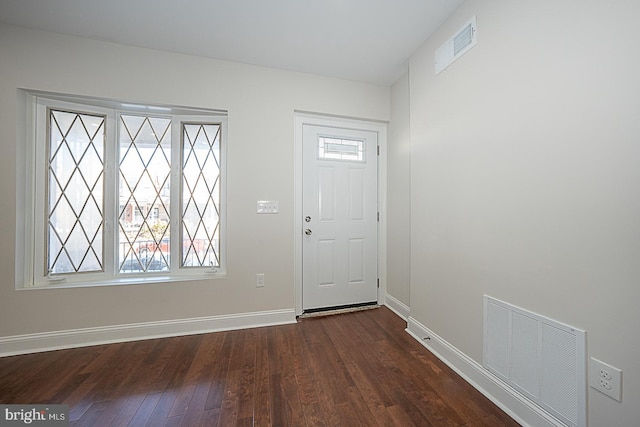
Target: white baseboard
397 306
506 398
56 340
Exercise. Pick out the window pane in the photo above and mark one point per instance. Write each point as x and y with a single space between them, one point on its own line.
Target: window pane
75 192
200 195
144 191
340 149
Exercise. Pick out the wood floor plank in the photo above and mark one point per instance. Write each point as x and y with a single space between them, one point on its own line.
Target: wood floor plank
399 417
374 400
361 361
363 368
247 378
32 372
262 396
200 375
160 413
306 380
229 407
335 378
220 369
181 404
291 401
128 411
111 410
169 379
142 415
328 407
174 421
411 409
209 418
350 369
276 410
91 416
196 407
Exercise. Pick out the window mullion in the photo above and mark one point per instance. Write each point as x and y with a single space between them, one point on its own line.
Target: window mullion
176 193
110 245
39 199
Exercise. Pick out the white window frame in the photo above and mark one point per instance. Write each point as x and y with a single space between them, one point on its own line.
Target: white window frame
32 209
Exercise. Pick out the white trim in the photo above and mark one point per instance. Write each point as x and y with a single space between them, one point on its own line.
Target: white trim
517 406
397 306
56 340
302 118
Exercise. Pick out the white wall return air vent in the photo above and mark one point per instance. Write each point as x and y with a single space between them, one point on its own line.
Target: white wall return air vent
543 359
456 46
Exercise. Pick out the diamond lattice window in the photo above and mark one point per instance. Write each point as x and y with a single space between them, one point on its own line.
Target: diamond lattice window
75 219
145 172
200 195
121 193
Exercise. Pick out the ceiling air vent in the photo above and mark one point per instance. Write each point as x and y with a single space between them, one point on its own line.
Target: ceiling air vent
456 46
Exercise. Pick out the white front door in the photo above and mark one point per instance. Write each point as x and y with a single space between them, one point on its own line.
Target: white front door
339 208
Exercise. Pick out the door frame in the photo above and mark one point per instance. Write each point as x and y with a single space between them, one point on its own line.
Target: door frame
305 118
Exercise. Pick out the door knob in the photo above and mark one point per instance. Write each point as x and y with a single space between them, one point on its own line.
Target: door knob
307 218
307 232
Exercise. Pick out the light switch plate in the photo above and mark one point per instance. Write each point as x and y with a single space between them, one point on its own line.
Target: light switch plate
267 207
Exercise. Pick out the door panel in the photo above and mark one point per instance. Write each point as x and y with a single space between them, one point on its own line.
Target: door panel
326 262
356 261
326 194
340 199
356 195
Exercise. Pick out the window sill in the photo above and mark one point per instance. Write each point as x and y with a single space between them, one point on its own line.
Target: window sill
128 281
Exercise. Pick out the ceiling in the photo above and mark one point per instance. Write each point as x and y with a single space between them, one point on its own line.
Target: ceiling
364 40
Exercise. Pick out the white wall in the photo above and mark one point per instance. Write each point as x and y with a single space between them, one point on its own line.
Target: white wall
398 194
261 104
525 179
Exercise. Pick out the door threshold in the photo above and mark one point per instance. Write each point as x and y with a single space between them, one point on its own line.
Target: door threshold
327 311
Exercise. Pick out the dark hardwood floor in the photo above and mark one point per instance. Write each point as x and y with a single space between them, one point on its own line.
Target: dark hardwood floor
350 369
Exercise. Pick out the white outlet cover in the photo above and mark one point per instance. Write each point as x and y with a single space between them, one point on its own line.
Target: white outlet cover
606 379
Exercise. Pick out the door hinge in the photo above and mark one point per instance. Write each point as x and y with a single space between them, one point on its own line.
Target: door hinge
378 216
378 283
378 150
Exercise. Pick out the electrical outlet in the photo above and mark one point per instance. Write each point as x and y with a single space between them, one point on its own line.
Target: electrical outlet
606 379
605 374
260 280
